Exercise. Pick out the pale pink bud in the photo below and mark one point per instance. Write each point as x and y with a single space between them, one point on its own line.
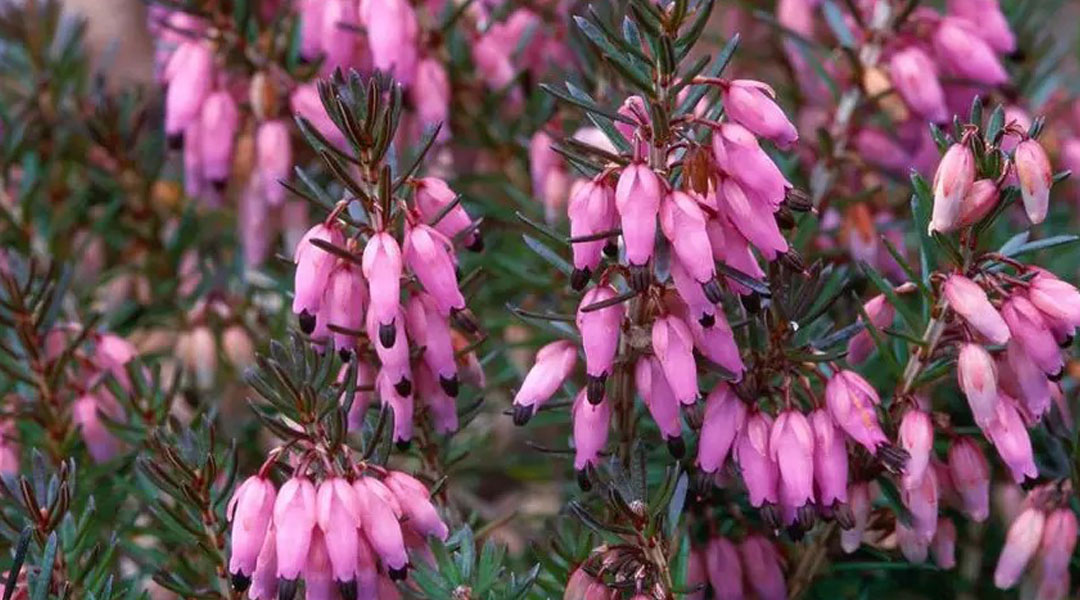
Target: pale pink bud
294 522
943 546
190 75
969 301
493 62
86 414
431 95
759 472
922 501
1021 542
791 447
442 406
952 182
339 519
430 255
591 422
978 376
313 267
390 392
250 511
753 218
415 500
913 546
725 416
990 24
979 202
1055 553
673 346
761 563
724 569
637 198
367 575
1023 379
959 48
881 314
345 301
591 211
393 37
554 363
739 155
599 337
860 503
851 401
660 400
220 118
916 435
1029 328
338 41
752 105
1036 177
380 525
429 328
830 460
432 197
970 475
914 75
730 246
683 223
382 267
1056 299
1010 437
273 160
264 581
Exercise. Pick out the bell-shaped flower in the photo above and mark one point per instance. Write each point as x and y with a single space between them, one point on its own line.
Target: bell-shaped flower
295 517
591 422
591 211
430 256
381 265
759 471
752 105
250 510
1021 543
380 525
1010 437
953 181
554 363
830 460
429 328
1036 176
637 198
969 301
415 500
725 417
978 377
339 518
432 198
653 387
739 156
851 401
313 267
599 337
970 475
1029 328
673 345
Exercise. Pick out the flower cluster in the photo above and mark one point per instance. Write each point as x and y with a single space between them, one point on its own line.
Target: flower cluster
341 535
1040 542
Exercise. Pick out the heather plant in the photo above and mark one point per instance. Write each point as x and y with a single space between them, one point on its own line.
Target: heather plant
472 299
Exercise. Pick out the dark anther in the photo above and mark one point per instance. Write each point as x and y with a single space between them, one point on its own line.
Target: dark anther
713 290
240 582
449 385
387 334
522 414
580 278
403 387
583 480
707 320
307 322
676 447
595 388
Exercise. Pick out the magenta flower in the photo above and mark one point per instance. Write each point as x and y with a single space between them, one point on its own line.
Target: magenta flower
431 95
339 519
394 359
1029 329
318 572
395 389
969 301
725 416
970 475
250 511
752 105
943 546
1021 543
379 522
752 217
673 346
953 181
830 460
653 387
273 160
393 37
990 24
791 447
264 581
591 422
344 303
761 563
881 314
591 211
914 75
978 377
637 198
190 75
701 310
851 401
759 471
313 267
294 522
1055 552
432 197
683 223
964 54
441 406
1010 437
599 337
86 414
738 154
415 500
1036 176
219 115
554 363
430 256
724 569
381 264
429 328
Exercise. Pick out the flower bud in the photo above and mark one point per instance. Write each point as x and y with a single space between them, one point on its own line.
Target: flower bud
970 474
860 503
917 437
311 23
683 223
791 447
943 546
637 199
725 416
190 76
913 546
430 255
965 55
381 264
393 37
86 414
554 363
313 267
752 105
591 211
830 460
978 377
991 24
591 422
345 301
673 346
759 471
701 310
273 160
969 301
881 314
1027 326
432 197
220 116
851 401
732 248
305 102
717 343
380 523
264 581
739 156
416 504
979 202
442 406
922 501
725 571
318 573
431 95
1035 175
338 41
1056 299
761 563
339 518
294 523
578 584
391 384
660 400
429 329
1010 438
752 218
1055 553
914 75
599 337
1021 542
953 181
1024 380
249 511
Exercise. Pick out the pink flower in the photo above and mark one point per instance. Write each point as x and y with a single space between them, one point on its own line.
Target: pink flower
273 160
294 522
591 211
393 37
86 414
344 303
551 182
637 198
791 447
917 437
1010 438
969 301
220 116
953 181
683 223
441 406
759 471
922 501
989 23
914 75
860 503
979 202
739 155
913 546
250 511
751 104
851 401
1021 542
725 416
753 218
311 24
730 246
398 394
591 423
599 337
313 267
305 102
724 569
1029 328
416 505
381 264
881 315
394 358
339 519
978 379
1055 553
965 55
1036 177
190 75
717 343
361 400
432 197
762 567
431 95
264 581
318 574
379 521
429 328
1056 299
660 400
673 346
701 310
430 256
338 42
830 460
943 546
554 363
970 474
1022 378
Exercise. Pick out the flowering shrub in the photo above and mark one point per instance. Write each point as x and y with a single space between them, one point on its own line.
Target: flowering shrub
460 299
